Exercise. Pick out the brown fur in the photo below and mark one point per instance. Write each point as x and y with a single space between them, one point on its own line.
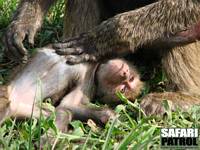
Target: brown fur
153 103
183 67
154 24
150 25
3 97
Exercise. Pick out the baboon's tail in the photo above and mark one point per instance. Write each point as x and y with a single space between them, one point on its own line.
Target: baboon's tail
4 102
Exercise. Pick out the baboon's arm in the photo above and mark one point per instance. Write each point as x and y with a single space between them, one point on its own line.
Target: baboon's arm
75 106
165 22
26 22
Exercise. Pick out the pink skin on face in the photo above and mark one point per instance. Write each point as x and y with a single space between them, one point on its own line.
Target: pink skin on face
118 76
118 72
129 84
122 79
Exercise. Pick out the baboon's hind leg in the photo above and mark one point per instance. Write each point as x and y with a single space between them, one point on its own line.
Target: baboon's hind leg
182 67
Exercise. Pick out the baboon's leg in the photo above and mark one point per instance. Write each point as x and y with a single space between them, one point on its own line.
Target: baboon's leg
152 104
19 109
64 110
63 118
25 110
81 15
182 66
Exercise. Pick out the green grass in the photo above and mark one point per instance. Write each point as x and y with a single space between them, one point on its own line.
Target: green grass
130 129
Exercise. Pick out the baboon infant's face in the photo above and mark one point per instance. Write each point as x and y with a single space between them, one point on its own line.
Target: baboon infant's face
118 76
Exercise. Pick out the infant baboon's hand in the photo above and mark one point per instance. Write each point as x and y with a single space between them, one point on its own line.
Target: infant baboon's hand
108 114
102 116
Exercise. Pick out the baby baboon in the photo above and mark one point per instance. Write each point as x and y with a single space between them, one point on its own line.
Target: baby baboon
70 87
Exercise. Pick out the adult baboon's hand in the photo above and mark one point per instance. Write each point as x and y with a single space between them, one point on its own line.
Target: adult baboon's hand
15 35
77 50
